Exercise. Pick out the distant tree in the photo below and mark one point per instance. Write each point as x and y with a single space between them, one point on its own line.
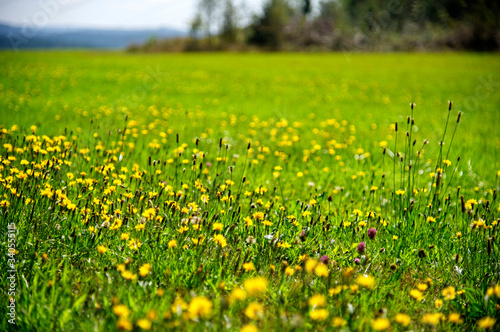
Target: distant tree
360 12
268 29
328 9
229 30
196 26
306 7
208 9
330 13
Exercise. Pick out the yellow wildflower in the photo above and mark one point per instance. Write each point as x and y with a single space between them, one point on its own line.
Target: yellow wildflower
249 266
486 323
144 324
102 249
144 270
255 286
121 310
318 314
402 319
253 310
449 293
366 281
381 324
416 294
237 294
200 307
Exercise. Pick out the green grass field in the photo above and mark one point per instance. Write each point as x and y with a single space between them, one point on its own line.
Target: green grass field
249 191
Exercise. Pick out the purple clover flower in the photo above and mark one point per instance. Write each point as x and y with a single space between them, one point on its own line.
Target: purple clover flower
361 248
372 232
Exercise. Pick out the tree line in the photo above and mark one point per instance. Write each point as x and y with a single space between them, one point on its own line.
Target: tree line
340 25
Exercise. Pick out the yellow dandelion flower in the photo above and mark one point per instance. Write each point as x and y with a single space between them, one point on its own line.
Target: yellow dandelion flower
129 275
284 244
267 223
253 310
455 318
416 294
217 226
172 243
310 265
348 273
470 203
144 324
381 324
357 212
431 318
237 294
449 293
495 290
422 287
144 270
402 319
317 300
289 271
124 324
200 307
354 288
486 323
318 314
152 315
149 213
338 322
221 240
249 328
121 310
178 305
321 270
249 267
335 291
255 286
366 281
102 249
248 221
134 244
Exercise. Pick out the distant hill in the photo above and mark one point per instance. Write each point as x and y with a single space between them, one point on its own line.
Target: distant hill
12 37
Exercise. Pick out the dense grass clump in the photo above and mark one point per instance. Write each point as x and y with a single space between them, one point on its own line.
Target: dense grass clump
252 192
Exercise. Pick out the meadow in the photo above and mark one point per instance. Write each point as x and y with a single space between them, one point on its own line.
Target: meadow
351 192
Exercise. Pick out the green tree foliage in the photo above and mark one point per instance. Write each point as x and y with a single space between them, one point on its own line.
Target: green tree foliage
208 12
196 26
229 30
306 7
353 25
268 30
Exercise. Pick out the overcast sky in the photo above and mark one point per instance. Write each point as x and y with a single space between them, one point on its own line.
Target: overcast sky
105 13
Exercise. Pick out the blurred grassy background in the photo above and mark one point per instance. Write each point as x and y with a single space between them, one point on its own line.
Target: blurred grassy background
58 89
